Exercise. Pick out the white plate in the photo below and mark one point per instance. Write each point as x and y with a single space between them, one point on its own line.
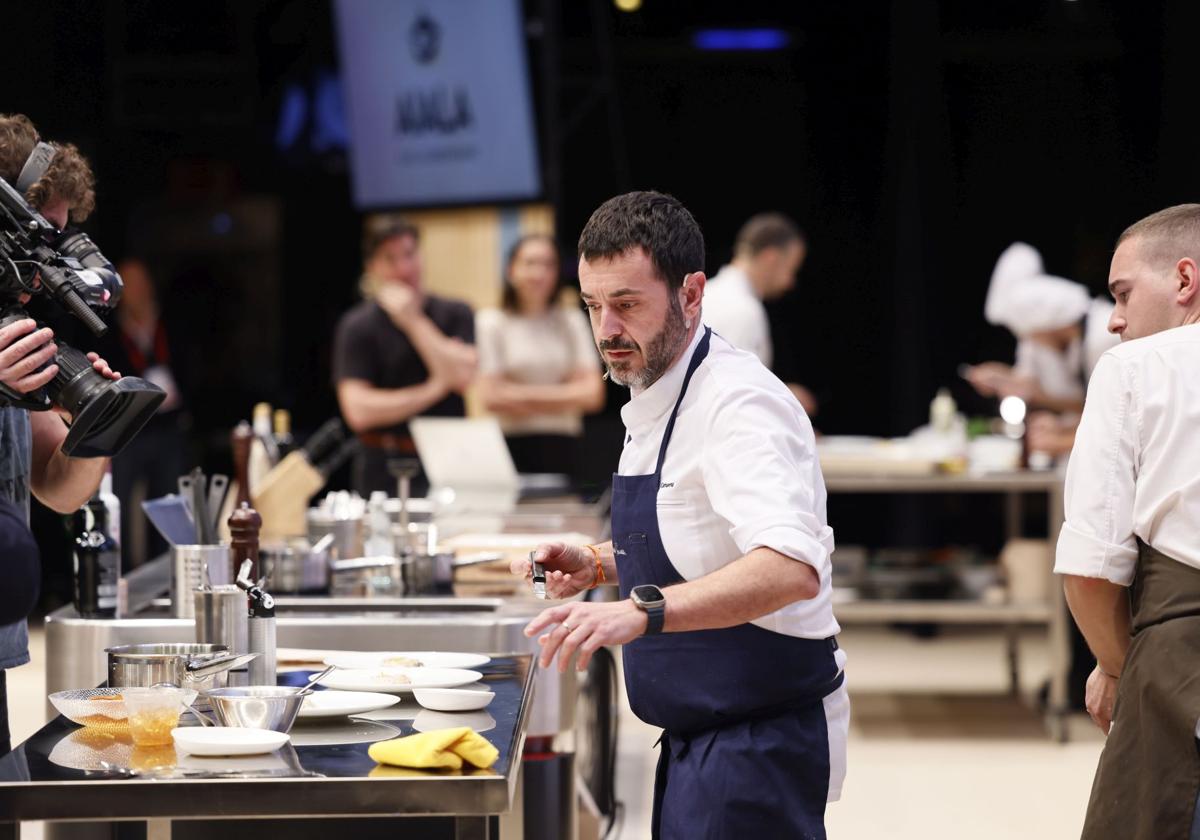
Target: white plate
397 680
353 731
429 721
334 704
454 699
227 740
426 658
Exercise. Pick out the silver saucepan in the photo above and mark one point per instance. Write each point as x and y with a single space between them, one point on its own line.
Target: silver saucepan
185 665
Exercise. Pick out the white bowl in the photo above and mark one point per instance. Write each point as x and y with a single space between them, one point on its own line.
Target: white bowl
453 699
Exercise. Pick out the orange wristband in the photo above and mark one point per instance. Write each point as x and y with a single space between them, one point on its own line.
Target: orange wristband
600 578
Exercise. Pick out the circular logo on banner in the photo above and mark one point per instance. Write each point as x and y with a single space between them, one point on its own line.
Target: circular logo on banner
424 38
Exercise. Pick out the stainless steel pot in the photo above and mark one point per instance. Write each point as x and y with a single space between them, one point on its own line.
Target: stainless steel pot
348 533
296 567
367 577
188 666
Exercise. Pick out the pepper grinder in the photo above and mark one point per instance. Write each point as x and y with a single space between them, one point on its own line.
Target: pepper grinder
261 628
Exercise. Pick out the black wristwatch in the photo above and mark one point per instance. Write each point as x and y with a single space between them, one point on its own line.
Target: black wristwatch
649 599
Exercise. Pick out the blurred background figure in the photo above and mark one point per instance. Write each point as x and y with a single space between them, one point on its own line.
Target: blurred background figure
539 369
767 256
1061 333
398 354
140 343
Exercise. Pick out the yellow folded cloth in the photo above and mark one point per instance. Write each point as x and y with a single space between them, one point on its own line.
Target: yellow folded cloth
447 748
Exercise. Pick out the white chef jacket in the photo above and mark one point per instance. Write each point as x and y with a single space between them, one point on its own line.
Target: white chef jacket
734 311
1062 373
741 472
1135 469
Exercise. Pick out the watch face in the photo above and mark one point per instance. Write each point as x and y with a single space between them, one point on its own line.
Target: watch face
647 594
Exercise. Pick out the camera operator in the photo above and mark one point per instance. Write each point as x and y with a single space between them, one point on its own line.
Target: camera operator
31 456
19 592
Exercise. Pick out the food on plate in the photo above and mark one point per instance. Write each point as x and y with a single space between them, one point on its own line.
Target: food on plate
392 678
104 697
401 662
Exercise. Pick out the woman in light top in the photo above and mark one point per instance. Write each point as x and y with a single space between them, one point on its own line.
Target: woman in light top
538 365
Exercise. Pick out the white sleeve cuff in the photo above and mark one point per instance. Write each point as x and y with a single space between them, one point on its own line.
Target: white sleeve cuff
1083 555
796 544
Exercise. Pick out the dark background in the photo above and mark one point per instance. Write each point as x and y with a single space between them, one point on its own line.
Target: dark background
913 140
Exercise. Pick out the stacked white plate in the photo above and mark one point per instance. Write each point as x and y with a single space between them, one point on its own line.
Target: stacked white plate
406 659
397 680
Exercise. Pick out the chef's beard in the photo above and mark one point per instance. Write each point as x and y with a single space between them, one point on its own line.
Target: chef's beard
658 355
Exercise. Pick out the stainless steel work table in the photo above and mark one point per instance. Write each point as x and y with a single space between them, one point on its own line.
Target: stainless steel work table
1052 615
338 780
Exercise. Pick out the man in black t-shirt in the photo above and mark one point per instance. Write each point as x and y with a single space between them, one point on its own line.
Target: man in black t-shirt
398 354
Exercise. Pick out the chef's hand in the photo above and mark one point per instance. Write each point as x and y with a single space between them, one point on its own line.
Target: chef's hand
993 379
1046 432
1099 698
570 569
23 349
585 627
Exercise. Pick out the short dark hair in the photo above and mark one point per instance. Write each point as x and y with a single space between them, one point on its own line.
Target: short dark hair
766 230
652 221
68 177
508 296
1168 234
378 231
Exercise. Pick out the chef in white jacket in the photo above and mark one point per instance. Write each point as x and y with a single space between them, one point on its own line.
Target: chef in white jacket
767 255
1061 333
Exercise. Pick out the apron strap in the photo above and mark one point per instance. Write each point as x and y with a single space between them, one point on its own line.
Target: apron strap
697 358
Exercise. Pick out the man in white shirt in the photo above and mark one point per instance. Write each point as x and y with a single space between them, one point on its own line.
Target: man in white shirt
720 547
767 255
1128 549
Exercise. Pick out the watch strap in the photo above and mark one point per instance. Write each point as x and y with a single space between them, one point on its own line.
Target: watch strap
655 616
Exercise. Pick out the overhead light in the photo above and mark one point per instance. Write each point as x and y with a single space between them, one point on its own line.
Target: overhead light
746 40
628 5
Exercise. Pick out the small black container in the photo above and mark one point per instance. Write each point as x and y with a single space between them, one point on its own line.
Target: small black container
97 562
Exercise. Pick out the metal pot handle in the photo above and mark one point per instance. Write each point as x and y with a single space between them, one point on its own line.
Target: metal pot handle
200 668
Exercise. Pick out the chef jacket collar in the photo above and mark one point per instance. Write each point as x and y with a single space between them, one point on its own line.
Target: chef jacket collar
647 406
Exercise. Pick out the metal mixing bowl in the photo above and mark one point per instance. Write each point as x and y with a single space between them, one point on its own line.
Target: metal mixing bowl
258 706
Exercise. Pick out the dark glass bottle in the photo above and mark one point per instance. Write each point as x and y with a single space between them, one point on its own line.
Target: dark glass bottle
97 562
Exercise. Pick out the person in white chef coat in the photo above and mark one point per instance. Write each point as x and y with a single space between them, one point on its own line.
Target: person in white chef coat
767 256
1061 334
720 548
1128 549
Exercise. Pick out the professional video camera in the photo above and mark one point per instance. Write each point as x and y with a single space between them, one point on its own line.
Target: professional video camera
37 258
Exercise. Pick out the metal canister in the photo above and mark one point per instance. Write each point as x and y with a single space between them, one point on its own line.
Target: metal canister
221 619
194 566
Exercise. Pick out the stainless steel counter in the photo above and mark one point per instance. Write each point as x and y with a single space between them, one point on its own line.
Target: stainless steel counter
75 657
311 780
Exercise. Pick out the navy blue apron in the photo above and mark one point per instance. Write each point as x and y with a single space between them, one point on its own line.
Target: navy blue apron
745 749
